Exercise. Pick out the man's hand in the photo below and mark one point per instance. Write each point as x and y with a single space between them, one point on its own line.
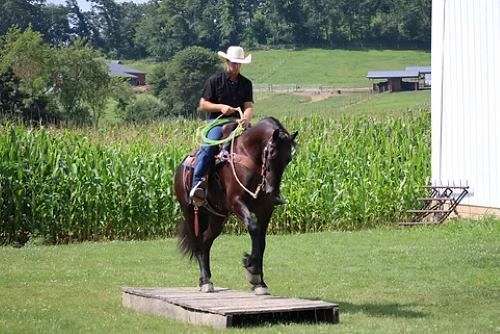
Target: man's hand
245 122
227 110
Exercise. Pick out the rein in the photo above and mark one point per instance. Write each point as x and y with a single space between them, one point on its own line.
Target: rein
263 169
235 133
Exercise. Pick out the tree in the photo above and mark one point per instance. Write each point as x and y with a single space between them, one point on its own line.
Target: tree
81 82
77 20
11 96
27 63
167 29
143 108
179 83
55 25
21 14
230 23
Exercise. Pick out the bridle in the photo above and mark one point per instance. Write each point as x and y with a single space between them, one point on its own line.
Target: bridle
264 168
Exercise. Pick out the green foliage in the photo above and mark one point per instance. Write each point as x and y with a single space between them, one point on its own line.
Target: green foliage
26 63
117 183
28 56
143 108
49 85
160 29
21 14
179 83
61 186
168 29
11 96
82 83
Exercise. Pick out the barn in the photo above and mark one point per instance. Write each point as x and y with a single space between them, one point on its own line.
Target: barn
466 101
411 78
134 77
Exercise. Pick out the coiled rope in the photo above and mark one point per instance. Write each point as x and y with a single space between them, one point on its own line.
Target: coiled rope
204 130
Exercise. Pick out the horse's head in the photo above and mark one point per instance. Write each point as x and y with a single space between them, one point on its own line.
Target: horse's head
276 156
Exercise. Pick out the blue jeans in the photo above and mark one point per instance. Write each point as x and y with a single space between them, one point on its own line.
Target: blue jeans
206 155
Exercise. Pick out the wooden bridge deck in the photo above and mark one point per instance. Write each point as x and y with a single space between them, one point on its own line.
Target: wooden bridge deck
226 308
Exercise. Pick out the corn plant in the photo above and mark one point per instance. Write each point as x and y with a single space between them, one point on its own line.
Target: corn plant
81 184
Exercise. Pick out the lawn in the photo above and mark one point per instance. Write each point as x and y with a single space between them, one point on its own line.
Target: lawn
341 68
337 67
442 279
372 105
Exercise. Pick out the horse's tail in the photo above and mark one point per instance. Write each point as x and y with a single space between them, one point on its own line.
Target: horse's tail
186 239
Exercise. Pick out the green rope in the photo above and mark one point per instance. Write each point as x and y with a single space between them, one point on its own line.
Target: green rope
203 132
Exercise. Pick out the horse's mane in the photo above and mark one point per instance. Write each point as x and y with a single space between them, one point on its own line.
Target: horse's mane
273 121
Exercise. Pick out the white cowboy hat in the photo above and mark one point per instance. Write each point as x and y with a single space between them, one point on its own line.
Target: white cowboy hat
235 54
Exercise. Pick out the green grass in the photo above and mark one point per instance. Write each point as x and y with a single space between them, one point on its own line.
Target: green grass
145 65
341 68
443 279
379 106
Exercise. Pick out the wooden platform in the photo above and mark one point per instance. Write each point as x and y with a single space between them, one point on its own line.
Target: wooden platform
226 308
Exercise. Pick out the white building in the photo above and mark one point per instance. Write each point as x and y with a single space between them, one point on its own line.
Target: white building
466 100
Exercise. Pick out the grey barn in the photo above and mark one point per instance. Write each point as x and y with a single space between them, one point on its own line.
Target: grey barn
412 78
135 77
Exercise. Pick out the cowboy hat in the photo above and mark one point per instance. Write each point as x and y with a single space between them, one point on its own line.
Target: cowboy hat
235 54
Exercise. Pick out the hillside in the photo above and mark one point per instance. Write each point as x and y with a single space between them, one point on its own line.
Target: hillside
342 68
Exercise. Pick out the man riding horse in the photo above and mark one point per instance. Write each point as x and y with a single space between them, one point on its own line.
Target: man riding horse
245 183
223 94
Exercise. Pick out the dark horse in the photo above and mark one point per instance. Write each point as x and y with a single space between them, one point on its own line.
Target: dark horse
260 156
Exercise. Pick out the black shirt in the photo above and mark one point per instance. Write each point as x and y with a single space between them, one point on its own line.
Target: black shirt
221 90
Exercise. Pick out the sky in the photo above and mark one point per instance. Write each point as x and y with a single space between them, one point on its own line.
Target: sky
84 5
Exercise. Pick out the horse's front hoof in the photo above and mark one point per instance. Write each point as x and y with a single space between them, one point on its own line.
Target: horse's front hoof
261 291
207 288
253 279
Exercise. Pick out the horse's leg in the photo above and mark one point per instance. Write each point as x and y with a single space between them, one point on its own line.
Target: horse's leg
208 235
253 263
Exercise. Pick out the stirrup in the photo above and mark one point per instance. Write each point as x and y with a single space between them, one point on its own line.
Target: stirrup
197 194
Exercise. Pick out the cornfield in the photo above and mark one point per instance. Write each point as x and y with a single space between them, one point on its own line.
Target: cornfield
74 185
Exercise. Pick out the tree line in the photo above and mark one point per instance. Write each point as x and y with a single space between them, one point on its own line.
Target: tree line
161 28
70 84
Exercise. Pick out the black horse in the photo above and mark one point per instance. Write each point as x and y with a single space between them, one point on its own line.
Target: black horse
257 161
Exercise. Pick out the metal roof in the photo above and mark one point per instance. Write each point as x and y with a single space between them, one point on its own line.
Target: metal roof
392 74
419 69
118 70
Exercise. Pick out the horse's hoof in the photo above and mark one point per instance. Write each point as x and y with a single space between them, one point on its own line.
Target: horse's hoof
261 291
207 288
253 278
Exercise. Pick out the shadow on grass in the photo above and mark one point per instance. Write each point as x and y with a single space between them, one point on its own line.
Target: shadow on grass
382 310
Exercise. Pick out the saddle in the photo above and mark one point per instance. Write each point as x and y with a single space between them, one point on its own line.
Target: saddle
223 157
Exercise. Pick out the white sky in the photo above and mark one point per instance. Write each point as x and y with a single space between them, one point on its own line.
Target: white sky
84 5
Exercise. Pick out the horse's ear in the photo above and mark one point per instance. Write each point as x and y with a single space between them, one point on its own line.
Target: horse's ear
294 135
276 134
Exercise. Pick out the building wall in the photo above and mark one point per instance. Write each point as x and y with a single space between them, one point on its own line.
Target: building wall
466 98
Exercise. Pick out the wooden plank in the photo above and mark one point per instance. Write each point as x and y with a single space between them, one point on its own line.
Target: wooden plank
223 307
418 223
445 187
438 199
159 307
428 211
269 308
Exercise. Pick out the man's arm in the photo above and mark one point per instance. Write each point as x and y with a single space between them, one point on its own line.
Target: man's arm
208 106
248 112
